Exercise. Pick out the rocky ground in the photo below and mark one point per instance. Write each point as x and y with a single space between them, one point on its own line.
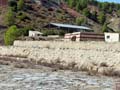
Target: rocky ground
45 78
21 66
94 57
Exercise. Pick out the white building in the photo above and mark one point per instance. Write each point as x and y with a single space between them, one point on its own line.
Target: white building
35 33
112 37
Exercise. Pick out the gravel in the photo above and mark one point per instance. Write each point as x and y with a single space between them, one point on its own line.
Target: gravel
46 79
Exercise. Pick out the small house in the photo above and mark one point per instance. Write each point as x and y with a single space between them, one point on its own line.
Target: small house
112 37
84 36
35 34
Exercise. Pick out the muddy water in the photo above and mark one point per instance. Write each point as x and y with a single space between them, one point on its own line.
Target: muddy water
46 79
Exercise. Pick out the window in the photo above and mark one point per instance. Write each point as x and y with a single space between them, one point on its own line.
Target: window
38 34
108 37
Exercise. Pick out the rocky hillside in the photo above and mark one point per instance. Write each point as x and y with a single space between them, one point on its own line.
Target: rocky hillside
37 13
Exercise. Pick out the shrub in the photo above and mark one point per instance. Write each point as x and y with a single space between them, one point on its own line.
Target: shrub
80 21
105 28
10 18
20 4
86 12
21 16
49 32
62 32
94 16
101 18
53 32
13 4
24 31
11 34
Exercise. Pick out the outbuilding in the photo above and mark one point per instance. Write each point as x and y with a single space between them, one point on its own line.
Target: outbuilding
84 36
34 33
112 37
68 27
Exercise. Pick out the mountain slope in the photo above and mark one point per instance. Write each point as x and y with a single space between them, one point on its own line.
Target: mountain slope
38 13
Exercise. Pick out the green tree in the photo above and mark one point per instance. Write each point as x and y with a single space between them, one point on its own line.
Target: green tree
20 4
118 13
78 6
12 4
10 18
86 12
21 15
11 34
105 6
105 28
110 10
101 18
80 21
71 3
81 4
94 15
24 31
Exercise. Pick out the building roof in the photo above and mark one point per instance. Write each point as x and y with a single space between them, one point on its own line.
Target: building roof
70 26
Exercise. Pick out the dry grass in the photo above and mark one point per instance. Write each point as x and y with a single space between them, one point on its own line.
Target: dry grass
2 62
103 64
20 65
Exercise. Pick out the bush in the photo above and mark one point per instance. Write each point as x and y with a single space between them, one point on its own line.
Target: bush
62 32
25 31
86 12
11 34
80 21
105 28
49 32
21 16
101 18
94 16
53 32
20 4
13 4
10 18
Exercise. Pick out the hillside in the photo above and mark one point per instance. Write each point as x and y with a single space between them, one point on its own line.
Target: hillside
35 14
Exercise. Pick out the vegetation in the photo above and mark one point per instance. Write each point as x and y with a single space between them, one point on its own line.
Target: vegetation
86 12
10 18
103 6
24 31
11 34
24 14
20 4
80 20
53 32
105 28
21 16
13 5
101 18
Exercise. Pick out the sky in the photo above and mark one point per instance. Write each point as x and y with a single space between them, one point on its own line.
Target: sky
116 1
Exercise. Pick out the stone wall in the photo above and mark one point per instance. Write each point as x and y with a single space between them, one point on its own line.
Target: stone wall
95 57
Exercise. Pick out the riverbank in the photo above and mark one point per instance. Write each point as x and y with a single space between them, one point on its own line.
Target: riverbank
45 78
